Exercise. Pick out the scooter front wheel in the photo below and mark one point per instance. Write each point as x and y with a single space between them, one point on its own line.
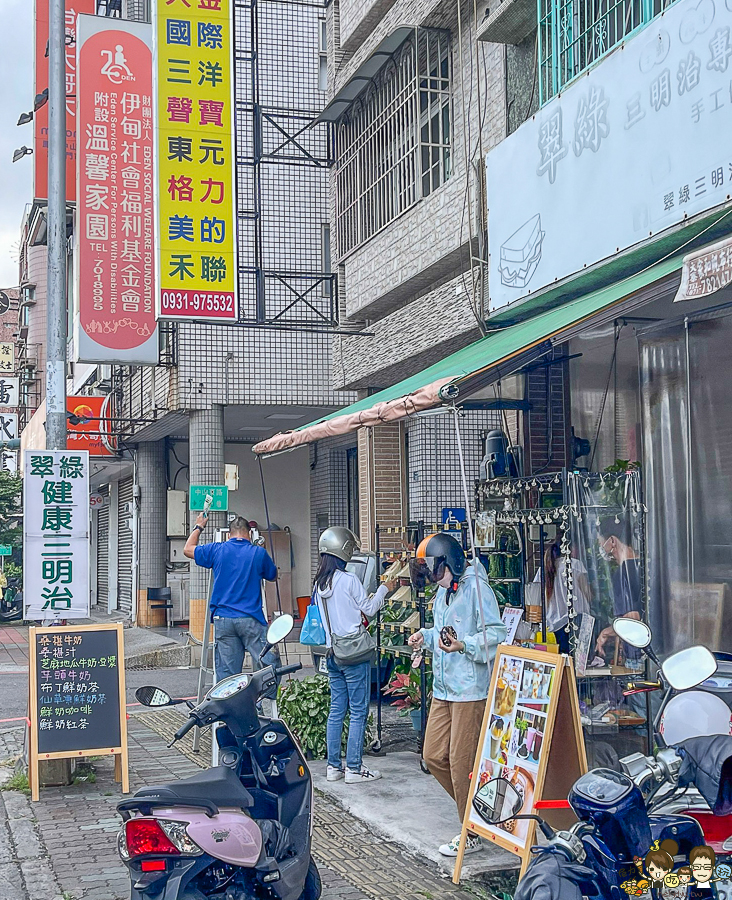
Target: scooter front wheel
313 886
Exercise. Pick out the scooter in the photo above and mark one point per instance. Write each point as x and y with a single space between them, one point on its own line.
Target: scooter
619 813
240 830
687 713
11 605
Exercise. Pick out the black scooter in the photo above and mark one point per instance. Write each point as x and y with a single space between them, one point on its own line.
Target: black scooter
240 830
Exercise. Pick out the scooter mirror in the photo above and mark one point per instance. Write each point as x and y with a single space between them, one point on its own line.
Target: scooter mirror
633 632
153 696
497 801
688 668
280 628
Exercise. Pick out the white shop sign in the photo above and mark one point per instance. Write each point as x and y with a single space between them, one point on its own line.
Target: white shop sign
56 534
637 145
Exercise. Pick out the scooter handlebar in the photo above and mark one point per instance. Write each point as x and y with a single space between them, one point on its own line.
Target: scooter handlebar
184 729
287 670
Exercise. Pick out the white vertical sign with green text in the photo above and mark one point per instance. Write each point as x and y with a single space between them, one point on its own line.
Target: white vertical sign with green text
56 535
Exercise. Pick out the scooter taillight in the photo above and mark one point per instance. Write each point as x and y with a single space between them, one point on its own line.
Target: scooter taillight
145 837
716 828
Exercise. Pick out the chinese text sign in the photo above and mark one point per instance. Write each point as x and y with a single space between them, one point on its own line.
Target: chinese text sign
194 146
115 198
40 117
56 534
638 144
9 392
77 689
7 358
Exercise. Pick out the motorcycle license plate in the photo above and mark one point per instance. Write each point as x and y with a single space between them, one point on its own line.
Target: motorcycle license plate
323 665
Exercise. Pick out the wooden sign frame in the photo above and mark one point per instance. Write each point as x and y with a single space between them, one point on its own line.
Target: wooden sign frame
121 753
561 756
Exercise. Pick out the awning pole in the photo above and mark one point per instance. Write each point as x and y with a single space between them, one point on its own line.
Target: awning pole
471 534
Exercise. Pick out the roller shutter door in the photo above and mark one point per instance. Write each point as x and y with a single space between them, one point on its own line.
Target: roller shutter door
103 553
124 548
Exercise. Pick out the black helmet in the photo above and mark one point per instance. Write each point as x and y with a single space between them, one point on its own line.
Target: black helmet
439 550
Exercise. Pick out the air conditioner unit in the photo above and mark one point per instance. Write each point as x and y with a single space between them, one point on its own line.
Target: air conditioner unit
508 22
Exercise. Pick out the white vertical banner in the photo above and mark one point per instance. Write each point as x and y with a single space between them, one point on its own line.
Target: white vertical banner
56 534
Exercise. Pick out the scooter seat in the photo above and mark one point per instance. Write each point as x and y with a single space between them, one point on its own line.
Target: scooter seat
219 785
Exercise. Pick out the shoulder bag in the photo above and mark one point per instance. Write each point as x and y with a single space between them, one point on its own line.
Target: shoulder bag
350 649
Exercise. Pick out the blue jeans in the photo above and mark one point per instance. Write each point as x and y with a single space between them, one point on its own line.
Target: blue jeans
349 689
234 638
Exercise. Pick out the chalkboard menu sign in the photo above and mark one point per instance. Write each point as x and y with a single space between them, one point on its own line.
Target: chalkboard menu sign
77 691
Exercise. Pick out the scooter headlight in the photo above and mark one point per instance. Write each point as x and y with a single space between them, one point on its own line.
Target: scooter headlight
178 835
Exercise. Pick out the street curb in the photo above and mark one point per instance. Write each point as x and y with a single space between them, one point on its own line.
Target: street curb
162 658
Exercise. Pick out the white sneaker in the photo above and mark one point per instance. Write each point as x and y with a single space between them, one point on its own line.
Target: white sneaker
362 777
334 774
472 845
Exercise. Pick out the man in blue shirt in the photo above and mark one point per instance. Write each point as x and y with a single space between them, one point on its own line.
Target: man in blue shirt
236 600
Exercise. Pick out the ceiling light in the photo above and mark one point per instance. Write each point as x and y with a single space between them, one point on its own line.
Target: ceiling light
291 416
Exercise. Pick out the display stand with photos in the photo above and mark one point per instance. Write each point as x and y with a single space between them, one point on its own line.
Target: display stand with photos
531 737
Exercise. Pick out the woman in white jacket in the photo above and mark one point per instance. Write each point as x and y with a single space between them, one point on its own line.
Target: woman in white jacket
342 601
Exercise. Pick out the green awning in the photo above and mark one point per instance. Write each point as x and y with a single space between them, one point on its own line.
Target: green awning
467 367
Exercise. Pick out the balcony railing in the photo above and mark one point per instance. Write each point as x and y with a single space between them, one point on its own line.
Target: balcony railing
574 34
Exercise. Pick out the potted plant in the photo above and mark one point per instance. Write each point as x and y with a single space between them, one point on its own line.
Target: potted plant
405 686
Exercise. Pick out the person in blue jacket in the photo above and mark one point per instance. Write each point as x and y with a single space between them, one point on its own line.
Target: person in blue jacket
461 666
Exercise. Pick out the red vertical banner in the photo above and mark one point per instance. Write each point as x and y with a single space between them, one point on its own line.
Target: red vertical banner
114 228
40 118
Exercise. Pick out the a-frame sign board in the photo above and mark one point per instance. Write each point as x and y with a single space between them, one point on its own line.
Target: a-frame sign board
531 736
77 697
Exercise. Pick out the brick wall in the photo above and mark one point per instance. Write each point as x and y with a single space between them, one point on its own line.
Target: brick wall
328 487
381 483
547 424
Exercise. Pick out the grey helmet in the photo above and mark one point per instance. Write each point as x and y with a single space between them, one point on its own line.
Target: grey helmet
340 542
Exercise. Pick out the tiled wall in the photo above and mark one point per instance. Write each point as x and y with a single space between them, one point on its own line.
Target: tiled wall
328 488
433 472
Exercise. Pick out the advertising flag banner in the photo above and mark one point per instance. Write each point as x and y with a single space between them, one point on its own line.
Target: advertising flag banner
114 238
194 147
56 535
40 117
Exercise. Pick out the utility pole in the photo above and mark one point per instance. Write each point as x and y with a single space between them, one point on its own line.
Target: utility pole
56 325
56 771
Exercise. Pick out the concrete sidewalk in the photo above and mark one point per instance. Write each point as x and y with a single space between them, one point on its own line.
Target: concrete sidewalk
410 808
144 647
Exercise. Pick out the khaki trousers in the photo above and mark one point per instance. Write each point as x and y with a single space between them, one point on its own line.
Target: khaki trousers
450 742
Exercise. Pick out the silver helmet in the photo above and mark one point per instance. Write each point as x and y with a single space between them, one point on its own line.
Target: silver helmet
340 542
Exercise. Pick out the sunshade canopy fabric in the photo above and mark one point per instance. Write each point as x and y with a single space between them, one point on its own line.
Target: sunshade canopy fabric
489 355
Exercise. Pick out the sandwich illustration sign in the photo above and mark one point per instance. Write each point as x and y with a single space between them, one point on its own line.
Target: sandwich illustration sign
562 194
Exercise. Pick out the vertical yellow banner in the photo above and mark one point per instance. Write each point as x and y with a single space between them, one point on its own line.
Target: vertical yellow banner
195 160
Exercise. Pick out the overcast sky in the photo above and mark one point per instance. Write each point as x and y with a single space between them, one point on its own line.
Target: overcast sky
16 96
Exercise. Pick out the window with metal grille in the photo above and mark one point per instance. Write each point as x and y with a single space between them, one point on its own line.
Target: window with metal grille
393 146
574 34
